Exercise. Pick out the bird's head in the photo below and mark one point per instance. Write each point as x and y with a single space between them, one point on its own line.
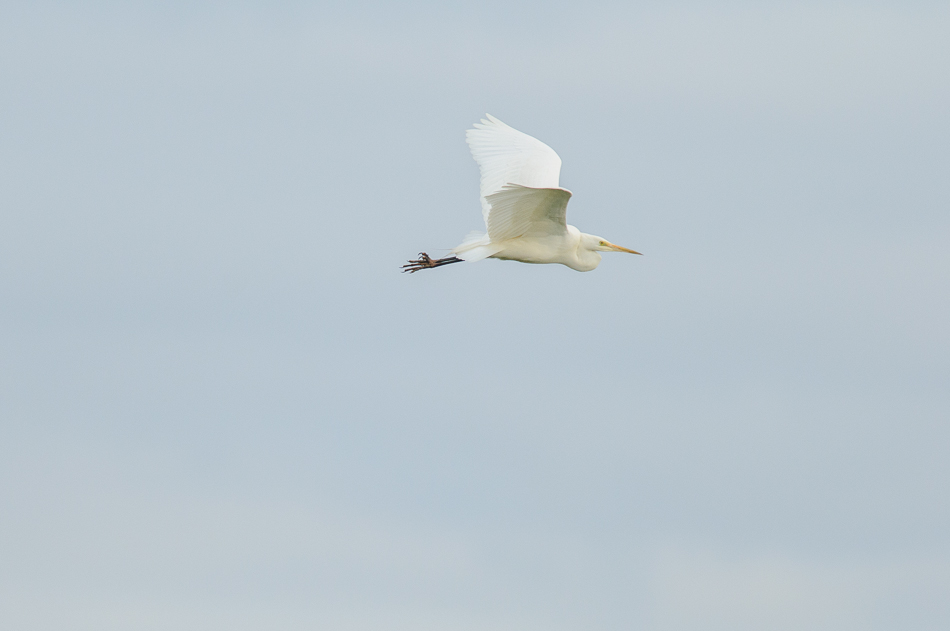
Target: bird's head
599 244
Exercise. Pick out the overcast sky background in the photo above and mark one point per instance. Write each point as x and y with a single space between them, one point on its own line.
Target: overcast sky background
223 407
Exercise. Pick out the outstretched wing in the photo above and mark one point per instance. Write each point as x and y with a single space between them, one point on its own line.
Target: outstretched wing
518 211
507 156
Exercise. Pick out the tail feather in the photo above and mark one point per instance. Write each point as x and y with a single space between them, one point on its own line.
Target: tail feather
475 247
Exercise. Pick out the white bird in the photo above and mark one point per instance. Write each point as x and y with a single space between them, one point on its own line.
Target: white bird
523 206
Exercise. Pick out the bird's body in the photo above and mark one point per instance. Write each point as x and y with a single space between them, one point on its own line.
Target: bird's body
564 249
523 206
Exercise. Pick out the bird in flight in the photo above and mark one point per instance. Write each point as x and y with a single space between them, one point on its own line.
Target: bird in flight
524 208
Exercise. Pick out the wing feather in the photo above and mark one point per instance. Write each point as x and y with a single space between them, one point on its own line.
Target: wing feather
517 211
508 156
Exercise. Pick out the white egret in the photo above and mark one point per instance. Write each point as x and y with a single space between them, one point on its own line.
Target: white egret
523 206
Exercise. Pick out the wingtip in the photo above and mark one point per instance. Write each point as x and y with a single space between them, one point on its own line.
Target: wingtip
492 121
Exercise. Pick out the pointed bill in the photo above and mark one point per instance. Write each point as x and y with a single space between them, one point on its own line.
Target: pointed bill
617 248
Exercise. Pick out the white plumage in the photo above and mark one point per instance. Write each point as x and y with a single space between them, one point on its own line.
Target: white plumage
507 156
523 206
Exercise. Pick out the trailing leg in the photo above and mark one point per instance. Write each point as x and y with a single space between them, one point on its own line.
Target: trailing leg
425 262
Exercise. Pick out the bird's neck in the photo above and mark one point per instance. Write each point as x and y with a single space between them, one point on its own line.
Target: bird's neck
586 255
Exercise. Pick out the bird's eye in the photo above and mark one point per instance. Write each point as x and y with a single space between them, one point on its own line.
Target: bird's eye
603 243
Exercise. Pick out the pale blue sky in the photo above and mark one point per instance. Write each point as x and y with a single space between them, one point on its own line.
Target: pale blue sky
222 407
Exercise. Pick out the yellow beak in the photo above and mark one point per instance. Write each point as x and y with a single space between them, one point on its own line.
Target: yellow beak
617 248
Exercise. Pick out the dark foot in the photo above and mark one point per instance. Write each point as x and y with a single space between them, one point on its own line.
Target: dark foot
425 262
